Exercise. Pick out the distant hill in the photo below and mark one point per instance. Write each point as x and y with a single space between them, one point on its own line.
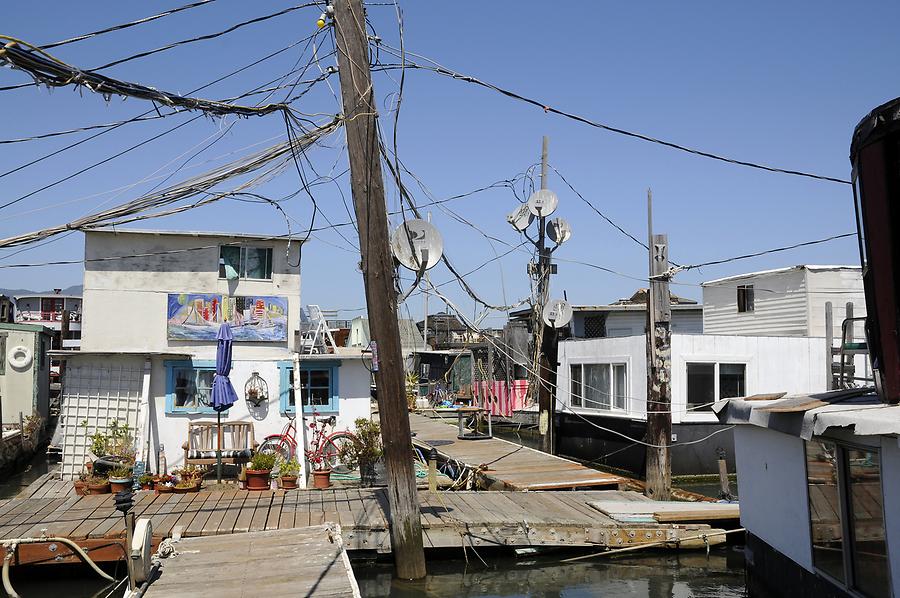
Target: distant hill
72 290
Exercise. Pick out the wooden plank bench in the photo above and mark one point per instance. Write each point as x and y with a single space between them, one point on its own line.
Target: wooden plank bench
238 443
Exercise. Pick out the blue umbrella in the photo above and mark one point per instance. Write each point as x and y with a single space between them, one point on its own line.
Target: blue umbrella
223 395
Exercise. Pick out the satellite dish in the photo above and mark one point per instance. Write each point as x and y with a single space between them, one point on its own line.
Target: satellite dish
520 218
414 237
543 202
557 313
559 231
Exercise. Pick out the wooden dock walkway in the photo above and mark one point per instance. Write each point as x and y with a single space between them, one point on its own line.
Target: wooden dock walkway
449 519
307 561
502 465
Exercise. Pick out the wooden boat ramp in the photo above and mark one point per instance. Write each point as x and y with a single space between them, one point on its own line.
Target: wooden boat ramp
496 464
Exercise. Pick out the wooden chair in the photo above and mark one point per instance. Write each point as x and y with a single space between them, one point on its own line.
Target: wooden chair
238 443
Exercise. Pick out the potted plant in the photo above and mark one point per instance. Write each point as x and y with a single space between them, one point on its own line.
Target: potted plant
146 481
97 485
164 484
81 483
288 471
261 465
120 478
316 457
185 486
363 450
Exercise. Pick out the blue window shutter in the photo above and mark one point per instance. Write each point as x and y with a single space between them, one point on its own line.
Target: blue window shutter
170 386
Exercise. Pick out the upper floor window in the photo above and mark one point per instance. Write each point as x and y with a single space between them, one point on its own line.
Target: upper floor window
709 382
846 515
254 263
745 298
598 385
189 386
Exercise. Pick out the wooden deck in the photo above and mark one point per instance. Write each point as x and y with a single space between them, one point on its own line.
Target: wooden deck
504 465
296 562
449 519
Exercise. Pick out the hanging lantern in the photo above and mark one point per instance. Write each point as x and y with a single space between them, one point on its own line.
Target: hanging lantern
256 391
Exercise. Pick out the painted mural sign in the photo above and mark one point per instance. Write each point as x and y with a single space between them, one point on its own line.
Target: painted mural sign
197 317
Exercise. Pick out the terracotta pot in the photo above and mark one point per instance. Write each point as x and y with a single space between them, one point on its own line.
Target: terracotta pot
195 487
98 488
119 484
147 486
289 482
322 479
182 490
80 487
163 489
258 479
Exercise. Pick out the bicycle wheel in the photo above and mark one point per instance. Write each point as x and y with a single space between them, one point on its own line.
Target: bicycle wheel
276 445
331 450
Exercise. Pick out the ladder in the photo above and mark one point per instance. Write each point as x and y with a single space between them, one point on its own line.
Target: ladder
841 372
315 334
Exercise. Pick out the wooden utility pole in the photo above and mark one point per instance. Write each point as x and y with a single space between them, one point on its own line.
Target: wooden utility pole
659 365
367 186
63 335
548 347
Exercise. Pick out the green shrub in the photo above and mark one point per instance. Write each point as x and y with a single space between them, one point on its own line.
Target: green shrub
262 461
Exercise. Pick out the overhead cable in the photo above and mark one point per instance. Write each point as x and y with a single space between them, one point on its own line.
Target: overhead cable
547 108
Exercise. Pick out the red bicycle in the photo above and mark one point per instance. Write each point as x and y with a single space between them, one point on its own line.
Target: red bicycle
327 446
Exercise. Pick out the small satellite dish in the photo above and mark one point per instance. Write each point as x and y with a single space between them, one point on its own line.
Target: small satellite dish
557 313
413 237
521 217
543 202
559 231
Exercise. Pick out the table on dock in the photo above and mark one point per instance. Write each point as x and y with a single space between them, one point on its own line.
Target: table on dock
307 561
449 519
507 466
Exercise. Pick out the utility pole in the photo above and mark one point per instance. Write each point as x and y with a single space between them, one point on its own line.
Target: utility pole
659 365
548 345
367 187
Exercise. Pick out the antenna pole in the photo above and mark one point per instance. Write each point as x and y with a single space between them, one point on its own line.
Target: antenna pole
548 338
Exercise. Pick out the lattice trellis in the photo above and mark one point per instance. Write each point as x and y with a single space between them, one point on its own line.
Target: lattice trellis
100 395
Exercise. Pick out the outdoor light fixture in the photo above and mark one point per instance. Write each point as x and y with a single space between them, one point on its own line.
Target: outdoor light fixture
256 391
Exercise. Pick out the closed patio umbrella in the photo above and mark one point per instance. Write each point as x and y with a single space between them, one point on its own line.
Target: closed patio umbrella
223 395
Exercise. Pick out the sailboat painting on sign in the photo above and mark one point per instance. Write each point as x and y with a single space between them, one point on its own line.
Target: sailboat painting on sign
197 316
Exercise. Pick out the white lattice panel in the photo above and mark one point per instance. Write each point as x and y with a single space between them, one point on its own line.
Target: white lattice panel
100 395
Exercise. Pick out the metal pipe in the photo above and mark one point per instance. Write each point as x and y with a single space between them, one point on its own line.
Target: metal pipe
6 583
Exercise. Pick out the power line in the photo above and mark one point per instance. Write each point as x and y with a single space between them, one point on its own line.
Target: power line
547 108
766 252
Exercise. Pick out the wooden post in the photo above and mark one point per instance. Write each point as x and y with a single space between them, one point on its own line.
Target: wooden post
659 398
63 334
724 484
548 349
367 187
829 347
432 470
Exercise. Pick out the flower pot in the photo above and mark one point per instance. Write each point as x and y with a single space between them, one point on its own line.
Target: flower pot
163 489
195 487
258 479
119 484
102 488
182 489
80 487
147 486
289 482
322 478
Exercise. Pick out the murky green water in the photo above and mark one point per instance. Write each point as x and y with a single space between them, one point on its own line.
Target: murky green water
14 483
688 574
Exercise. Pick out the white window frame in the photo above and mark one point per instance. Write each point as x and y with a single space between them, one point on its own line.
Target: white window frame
610 362
680 411
270 255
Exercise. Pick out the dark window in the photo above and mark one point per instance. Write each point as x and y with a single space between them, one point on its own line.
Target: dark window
594 326
732 380
575 390
701 384
847 515
2 354
599 385
193 388
315 387
745 298
245 262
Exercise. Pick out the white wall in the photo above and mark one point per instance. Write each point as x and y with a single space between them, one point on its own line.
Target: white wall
17 386
630 350
773 364
771 467
125 301
890 482
839 287
780 305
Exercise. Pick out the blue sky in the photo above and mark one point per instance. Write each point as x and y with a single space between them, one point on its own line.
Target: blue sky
777 83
